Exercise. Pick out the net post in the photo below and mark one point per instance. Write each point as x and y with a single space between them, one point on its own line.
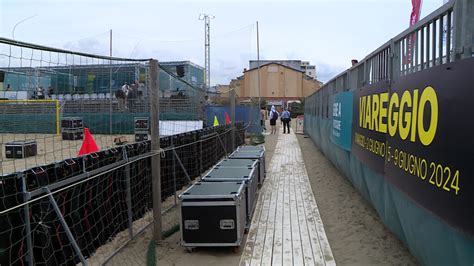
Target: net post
128 197
26 213
232 117
174 174
155 147
57 117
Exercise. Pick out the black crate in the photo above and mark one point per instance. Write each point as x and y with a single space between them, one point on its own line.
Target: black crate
142 136
247 175
72 122
213 214
252 153
21 149
142 123
72 134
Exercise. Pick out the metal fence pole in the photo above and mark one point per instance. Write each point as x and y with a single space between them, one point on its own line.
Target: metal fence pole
232 116
394 61
26 213
110 86
68 232
174 172
129 201
155 147
463 29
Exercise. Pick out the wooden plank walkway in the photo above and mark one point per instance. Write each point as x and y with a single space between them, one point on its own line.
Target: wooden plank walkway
286 227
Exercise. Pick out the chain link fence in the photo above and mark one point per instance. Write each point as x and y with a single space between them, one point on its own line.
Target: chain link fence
62 201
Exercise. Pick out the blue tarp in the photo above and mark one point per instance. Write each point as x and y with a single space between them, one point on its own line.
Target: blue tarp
247 114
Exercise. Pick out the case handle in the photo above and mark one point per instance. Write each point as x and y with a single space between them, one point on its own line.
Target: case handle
227 224
191 224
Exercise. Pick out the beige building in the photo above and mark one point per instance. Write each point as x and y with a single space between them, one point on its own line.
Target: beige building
277 82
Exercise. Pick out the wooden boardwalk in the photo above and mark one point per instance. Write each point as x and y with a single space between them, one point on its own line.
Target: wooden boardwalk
286 227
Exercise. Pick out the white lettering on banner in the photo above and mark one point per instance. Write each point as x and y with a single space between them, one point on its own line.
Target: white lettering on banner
336 109
336 124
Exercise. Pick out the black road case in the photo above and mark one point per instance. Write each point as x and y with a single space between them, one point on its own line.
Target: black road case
233 163
252 154
72 134
251 148
21 149
141 123
247 175
71 122
239 163
213 214
141 136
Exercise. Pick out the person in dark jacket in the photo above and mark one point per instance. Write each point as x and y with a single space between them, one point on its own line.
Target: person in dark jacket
286 118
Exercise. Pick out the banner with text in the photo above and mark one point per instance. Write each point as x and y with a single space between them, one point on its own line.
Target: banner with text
418 132
368 140
341 134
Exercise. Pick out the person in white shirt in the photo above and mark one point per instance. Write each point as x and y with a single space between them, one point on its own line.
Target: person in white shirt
125 91
273 118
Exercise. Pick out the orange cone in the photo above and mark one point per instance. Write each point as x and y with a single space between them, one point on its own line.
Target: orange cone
227 119
88 144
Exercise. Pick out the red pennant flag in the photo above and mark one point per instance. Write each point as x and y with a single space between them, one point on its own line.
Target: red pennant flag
88 144
227 119
414 18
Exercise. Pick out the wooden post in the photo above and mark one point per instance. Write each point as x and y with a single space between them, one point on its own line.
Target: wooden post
155 148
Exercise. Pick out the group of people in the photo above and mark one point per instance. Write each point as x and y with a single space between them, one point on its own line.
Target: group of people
40 93
125 94
285 118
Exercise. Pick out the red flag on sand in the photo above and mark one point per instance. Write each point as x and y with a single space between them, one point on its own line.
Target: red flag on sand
88 144
227 119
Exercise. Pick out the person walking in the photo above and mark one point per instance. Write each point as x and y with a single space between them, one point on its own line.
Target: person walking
286 118
263 117
273 118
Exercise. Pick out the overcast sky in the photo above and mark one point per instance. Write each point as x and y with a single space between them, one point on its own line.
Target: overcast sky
328 33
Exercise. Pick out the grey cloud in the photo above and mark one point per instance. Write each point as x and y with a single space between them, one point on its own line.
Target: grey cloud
325 71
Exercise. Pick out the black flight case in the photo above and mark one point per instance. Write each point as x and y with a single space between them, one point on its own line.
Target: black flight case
72 128
213 214
239 163
246 175
251 148
245 153
21 149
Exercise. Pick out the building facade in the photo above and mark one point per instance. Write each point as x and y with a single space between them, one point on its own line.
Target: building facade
278 83
310 70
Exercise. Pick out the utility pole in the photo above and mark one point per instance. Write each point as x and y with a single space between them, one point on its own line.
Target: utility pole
207 47
258 69
110 85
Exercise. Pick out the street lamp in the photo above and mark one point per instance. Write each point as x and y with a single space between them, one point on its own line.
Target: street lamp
19 22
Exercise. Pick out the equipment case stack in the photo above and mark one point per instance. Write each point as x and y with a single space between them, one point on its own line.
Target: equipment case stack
213 214
141 129
72 128
241 163
246 175
252 152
